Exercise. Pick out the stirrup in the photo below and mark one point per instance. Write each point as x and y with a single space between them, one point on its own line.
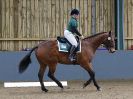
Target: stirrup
72 58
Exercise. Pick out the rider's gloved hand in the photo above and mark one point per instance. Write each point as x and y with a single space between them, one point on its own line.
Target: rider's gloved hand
81 37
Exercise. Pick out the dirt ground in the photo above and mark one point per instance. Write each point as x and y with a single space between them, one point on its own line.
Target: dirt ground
110 90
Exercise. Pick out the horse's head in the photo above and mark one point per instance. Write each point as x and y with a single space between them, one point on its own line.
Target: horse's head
109 43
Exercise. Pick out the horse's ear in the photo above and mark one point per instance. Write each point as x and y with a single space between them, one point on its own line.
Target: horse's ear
110 32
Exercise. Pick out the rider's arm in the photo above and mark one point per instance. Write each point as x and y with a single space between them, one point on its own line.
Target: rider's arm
74 26
75 30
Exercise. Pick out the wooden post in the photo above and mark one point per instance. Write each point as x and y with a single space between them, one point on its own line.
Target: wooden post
0 18
93 20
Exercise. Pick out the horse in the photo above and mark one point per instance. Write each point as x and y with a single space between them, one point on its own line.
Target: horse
48 55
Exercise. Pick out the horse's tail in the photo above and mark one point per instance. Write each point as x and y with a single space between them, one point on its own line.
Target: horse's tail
24 63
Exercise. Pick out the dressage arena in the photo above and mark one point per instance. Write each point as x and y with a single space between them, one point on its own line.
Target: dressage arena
109 69
120 89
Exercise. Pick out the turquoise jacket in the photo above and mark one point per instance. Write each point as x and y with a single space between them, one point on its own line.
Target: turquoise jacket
72 26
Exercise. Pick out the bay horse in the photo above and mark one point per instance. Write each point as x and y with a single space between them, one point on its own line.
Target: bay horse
48 55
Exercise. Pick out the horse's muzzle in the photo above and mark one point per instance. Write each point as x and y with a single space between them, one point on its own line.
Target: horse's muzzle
112 50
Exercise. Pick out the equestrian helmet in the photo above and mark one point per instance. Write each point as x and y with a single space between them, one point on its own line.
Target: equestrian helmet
75 11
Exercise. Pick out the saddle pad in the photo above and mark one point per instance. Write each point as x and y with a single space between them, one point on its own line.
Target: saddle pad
65 47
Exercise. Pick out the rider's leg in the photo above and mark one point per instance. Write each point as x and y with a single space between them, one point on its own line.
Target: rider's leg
72 52
71 38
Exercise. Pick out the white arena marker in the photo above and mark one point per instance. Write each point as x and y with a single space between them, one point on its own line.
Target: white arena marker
31 84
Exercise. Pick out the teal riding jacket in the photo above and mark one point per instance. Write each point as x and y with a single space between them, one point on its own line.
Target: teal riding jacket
72 26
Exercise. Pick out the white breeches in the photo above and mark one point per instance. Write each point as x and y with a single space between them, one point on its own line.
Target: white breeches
70 37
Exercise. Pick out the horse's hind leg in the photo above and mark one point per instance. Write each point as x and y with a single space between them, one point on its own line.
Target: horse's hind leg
40 76
51 72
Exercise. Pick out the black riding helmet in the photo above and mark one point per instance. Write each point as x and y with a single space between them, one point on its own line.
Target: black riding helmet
74 11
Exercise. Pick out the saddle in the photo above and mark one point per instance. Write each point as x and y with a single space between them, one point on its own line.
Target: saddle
64 45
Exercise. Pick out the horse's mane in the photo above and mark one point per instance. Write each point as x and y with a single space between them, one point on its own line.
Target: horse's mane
94 35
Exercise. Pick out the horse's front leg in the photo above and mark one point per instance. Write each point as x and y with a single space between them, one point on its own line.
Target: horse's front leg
92 74
88 68
87 83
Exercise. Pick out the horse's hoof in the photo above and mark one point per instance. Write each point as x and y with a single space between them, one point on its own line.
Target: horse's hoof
99 89
61 86
84 86
44 89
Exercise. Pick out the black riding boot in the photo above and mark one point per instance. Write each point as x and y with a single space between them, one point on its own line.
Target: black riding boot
71 55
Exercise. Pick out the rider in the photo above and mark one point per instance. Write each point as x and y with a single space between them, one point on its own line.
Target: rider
71 31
